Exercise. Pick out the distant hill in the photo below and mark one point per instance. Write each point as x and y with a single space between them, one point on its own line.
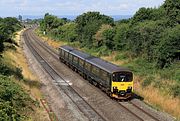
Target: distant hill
72 17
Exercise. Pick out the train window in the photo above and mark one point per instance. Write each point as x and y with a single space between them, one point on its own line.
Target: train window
70 57
66 54
62 53
104 75
75 59
87 66
95 70
81 62
122 77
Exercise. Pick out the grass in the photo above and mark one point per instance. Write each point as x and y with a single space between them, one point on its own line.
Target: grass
29 82
154 85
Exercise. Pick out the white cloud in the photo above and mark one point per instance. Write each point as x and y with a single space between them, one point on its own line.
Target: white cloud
38 7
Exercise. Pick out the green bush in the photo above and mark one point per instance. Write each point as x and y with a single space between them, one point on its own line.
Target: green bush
8 113
9 70
13 100
120 56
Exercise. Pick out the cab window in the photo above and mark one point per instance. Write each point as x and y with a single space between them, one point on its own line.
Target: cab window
122 77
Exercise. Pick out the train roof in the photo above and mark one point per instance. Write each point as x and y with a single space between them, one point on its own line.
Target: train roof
80 54
100 63
105 65
67 48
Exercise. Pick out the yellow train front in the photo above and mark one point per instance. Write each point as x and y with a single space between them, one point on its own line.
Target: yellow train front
122 85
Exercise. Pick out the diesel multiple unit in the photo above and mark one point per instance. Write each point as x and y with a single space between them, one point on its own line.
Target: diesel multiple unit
116 81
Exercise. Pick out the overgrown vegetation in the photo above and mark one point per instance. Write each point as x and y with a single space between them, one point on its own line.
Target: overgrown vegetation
13 100
15 103
150 41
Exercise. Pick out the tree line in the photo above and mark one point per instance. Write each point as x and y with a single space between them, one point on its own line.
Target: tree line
8 26
152 33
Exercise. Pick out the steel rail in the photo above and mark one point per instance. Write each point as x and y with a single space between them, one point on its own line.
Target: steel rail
150 115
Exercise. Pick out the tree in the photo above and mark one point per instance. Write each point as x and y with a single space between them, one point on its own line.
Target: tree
7 27
120 38
100 36
172 10
69 31
48 21
169 47
108 36
88 24
141 15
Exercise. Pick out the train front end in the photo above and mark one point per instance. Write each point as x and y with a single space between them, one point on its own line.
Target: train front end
122 85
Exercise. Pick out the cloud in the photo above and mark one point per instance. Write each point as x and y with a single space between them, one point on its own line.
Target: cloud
62 7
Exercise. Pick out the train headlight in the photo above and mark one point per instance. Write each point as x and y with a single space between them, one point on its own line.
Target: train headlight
129 87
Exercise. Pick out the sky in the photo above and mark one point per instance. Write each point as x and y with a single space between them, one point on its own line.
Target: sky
73 7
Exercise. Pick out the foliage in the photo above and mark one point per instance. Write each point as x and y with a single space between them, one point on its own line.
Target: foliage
99 37
13 100
9 70
172 11
68 32
88 24
50 22
176 90
120 39
7 27
169 47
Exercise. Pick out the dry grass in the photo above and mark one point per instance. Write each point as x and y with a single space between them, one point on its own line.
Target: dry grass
155 97
151 95
18 59
53 43
111 58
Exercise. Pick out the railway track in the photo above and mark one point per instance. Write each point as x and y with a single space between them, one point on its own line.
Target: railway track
134 109
55 55
82 105
147 113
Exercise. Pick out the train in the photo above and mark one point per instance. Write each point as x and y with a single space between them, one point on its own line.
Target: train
116 81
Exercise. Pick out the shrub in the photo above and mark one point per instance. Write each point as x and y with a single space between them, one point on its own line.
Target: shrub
176 90
148 81
13 100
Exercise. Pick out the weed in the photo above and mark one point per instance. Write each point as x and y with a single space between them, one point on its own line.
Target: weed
176 90
120 56
148 81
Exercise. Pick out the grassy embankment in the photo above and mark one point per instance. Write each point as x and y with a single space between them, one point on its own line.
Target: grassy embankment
15 58
150 83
